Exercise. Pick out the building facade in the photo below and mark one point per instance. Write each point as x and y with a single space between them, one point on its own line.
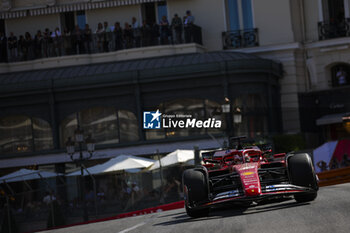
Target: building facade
235 50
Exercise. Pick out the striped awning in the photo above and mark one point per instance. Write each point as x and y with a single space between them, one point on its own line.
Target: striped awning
13 14
91 5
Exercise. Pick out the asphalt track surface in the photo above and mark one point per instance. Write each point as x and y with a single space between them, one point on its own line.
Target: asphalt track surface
330 212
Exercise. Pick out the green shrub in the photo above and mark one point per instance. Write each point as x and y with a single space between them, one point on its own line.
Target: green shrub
288 142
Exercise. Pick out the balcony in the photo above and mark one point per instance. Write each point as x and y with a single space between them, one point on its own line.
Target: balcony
240 38
333 29
100 47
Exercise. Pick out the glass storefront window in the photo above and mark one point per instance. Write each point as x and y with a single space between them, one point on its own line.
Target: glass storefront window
105 124
128 126
101 123
67 128
24 134
42 135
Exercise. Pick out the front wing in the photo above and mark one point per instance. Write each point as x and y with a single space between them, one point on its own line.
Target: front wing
270 191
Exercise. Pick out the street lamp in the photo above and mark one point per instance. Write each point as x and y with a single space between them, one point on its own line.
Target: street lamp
90 145
237 115
226 109
233 115
346 123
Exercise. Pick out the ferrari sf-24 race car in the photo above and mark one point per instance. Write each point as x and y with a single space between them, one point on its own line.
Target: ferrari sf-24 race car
244 175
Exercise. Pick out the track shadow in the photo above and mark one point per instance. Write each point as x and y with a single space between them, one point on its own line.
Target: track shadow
231 211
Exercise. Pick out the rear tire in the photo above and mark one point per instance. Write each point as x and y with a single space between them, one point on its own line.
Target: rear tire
195 190
302 173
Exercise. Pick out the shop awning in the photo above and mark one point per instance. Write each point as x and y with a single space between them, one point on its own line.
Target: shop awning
54 9
119 163
26 174
331 119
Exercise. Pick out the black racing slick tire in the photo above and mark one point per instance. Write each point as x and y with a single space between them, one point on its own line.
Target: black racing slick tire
302 173
195 191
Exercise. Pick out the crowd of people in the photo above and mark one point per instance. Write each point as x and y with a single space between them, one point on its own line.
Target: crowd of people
334 163
105 38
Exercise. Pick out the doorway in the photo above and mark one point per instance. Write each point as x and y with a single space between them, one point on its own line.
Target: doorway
67 21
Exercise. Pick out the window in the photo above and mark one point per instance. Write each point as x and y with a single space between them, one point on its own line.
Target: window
254 115
153 13
149 13
105 124
162 10
333 18
240 15
67 21
128 126
81 19
70 19
24 134
247 14
333 10
233 16
340 75
101 123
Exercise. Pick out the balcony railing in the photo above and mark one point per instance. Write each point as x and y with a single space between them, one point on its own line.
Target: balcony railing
333 29
240 38
63 45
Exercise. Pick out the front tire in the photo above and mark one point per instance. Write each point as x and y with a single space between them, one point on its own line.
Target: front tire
196 191
302 173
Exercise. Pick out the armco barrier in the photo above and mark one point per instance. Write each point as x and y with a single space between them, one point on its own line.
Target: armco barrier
332 177
170 206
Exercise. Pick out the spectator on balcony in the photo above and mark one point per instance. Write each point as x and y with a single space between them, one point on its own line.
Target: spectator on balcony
145 34
176 24
188 26
164 31
78 44
3 47
21 48
87 38
100 37
128 36
29 46
38 44
107 34
12 45
67 42
155 34
118 35
136 32
50 43
57 42
46 47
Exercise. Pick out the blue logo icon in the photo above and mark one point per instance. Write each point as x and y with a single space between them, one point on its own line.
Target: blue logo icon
151 120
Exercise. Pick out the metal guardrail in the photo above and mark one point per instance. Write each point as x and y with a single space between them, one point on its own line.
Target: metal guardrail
333 177
31 48
333 29
240 38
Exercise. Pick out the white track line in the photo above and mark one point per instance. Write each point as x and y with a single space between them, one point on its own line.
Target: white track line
132 228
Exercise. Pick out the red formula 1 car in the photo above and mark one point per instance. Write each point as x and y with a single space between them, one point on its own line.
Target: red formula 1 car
245 175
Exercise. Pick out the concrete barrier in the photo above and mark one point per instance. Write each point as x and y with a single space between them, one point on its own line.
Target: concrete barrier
333 177
161 208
